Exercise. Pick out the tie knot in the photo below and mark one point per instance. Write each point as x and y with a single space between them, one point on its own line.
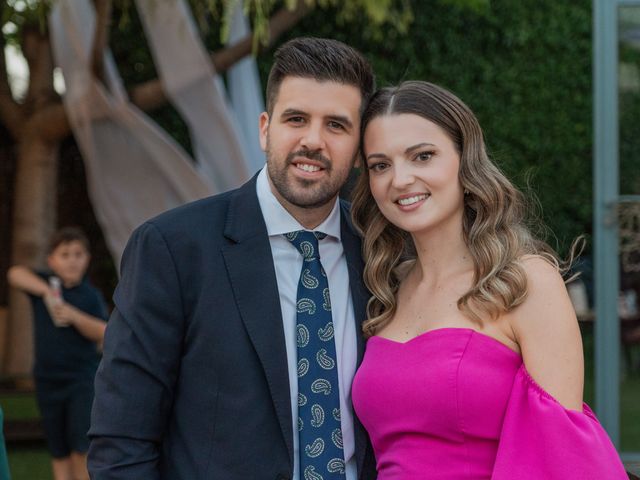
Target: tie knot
306 242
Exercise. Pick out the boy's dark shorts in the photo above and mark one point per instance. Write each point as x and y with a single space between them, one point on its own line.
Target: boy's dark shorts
65 408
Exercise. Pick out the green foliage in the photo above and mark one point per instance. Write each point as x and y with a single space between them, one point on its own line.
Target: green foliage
629 102
396 13
15 15
392 14
629 105
477 5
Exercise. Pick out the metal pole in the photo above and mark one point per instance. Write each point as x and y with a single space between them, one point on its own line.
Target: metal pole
605 222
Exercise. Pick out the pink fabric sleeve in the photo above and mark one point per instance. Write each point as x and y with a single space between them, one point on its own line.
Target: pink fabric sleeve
541 439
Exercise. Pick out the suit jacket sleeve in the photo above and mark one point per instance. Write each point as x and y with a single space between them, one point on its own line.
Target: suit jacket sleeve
136 380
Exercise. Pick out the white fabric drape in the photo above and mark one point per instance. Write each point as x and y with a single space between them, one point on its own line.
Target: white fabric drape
188 78
245 92
135 170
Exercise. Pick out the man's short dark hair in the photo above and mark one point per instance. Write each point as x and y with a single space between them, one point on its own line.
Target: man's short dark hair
321 59
66 235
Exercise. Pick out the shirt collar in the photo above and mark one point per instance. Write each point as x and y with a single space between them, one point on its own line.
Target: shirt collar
279 221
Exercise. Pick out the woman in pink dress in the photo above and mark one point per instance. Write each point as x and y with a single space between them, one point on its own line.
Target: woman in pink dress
474 363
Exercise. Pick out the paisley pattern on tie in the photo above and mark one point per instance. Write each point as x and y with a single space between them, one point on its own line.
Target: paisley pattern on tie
325 361
336 414
319 429
303 367
318 415
302 336
326 333
310 474
336 437
321 385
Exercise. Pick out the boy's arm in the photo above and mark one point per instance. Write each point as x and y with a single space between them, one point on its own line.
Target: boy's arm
24 279
87 325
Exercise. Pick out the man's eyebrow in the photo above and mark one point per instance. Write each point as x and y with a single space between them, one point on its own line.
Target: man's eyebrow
292 111
336 118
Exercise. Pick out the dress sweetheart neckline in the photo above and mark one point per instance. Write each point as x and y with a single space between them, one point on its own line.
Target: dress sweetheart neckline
443 330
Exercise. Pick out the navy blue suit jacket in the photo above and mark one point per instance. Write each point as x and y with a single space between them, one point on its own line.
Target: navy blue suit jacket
193 383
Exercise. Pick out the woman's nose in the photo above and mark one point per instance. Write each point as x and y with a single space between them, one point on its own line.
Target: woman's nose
402 176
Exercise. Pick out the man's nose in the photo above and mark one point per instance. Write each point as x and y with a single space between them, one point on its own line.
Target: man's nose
313 137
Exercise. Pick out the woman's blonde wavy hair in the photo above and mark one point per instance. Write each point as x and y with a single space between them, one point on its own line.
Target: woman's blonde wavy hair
494 225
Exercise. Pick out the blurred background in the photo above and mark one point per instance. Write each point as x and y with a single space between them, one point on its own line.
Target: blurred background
526 68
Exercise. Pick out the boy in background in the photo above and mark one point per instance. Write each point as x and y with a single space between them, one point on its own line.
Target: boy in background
69 322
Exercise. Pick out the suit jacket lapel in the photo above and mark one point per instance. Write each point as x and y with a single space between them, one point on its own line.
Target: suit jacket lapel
250 268
359 295
353 254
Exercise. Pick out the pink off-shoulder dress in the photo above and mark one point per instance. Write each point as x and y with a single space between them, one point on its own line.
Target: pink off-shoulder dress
455 404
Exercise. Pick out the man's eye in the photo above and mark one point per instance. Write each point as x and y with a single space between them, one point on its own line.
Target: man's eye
336 126
295 119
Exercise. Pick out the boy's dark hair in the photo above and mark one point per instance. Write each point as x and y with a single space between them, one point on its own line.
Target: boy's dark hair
321 59
66 235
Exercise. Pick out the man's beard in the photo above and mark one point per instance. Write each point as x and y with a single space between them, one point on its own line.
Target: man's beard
300 192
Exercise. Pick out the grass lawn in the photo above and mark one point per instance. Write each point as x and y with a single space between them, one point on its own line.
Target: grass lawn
29 463
26 462
629 409
629 395
33 463
630 421
19 406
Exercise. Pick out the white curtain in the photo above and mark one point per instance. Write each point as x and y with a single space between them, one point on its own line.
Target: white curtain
135 170
246 93
188 78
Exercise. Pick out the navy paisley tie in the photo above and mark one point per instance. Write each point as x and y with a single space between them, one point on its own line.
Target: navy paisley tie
320 434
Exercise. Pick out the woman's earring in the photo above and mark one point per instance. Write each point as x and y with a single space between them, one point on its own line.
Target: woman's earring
466 192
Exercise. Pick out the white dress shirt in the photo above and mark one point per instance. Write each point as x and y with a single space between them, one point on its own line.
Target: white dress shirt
288 263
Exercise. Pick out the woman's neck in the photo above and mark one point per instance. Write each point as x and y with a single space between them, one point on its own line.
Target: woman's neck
441 252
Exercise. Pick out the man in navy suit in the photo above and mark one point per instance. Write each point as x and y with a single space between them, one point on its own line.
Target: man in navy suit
199 378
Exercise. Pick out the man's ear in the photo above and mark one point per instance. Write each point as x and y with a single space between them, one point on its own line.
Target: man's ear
263 125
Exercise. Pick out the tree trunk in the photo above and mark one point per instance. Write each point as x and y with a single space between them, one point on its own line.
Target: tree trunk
34 205
33 223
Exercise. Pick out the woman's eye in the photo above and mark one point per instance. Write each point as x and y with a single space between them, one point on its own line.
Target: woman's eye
377 167
424 156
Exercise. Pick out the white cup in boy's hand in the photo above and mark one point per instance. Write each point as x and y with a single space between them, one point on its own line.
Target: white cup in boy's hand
53 300
62 314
